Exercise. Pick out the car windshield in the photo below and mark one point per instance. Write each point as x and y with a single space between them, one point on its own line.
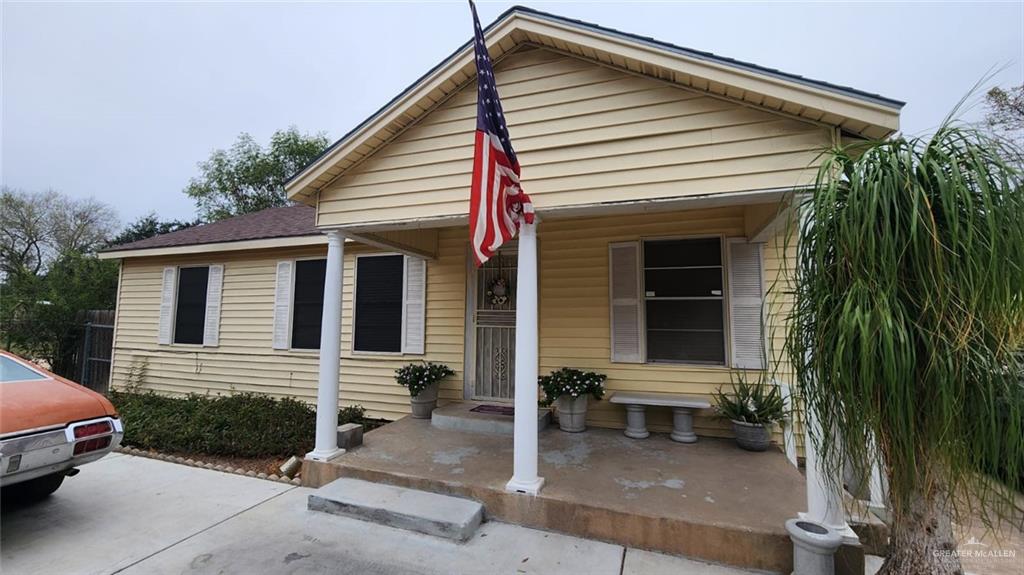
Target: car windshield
11 370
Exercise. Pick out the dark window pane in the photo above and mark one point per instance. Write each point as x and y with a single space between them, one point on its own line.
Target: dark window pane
685 315
378 308
693 346
677 253
697 282
308 305
190 312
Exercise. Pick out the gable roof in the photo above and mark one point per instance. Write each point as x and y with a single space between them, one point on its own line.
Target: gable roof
854 111
282 222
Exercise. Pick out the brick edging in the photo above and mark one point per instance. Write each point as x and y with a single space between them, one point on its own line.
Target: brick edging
204 465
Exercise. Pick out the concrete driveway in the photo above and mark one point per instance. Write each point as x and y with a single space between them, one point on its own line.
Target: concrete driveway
132 515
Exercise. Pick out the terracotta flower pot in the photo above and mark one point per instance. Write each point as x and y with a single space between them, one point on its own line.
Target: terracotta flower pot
424 403
751 436
572 413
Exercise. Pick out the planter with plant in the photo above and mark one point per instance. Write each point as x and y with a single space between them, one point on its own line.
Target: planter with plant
571 389
753 407
422 380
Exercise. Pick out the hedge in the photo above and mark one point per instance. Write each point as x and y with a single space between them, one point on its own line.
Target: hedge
242 425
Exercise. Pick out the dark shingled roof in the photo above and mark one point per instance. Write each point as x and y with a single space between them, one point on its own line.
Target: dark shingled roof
283 222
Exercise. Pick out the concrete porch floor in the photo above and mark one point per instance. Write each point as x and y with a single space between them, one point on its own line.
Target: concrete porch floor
709 500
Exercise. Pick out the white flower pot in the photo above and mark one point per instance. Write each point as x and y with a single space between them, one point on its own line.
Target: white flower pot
572 413
424 403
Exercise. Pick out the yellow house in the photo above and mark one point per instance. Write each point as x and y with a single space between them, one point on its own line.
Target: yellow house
662 179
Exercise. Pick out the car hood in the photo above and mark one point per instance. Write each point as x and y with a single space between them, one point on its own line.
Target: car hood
34 404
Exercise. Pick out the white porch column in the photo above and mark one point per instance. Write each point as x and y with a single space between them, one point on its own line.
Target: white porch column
524 474
824 498
876 484
330 354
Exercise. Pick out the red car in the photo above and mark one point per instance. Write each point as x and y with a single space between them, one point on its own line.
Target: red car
48 427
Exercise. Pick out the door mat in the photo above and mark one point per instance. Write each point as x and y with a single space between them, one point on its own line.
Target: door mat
495 409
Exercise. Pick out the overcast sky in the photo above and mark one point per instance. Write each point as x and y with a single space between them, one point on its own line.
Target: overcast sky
121 100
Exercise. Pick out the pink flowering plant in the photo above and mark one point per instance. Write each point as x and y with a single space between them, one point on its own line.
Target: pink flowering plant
418 376
571 382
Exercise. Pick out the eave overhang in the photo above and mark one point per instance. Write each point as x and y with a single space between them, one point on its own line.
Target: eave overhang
852 111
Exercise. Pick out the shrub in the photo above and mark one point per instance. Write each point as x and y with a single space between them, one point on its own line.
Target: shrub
569 381
243 425
419 376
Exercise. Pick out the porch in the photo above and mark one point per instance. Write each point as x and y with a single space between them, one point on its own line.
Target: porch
708 500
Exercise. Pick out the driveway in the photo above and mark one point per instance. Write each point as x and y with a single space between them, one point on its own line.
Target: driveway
132 515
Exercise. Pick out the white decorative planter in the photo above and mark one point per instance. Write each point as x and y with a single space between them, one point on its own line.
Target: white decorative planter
572 413
814 547
424 403
751 436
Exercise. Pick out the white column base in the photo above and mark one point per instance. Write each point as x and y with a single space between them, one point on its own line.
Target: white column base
845 531
325 456
528 487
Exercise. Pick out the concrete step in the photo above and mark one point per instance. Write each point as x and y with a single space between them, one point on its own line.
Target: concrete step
430 513
460 417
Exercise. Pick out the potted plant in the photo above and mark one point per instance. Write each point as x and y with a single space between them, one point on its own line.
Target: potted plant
422 381
752 408
572 388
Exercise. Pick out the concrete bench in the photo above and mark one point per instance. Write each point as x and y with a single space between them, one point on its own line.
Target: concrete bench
636 404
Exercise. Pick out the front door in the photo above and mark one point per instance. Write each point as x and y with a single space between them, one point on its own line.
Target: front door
494 328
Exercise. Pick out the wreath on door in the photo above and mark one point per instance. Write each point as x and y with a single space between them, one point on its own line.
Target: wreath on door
498 291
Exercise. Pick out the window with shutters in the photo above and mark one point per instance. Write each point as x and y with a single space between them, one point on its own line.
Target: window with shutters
683 300
308 303
190 308
378 305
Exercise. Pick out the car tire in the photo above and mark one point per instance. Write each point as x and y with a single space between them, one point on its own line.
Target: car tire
34 489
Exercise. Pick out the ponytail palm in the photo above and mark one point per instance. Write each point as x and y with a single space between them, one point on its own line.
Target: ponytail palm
907 327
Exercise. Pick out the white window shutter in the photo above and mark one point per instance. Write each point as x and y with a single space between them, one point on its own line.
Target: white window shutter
746 294
283 305
167 293
626 317
414 305
214 287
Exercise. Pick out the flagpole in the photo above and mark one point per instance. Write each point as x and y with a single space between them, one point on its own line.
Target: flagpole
524 474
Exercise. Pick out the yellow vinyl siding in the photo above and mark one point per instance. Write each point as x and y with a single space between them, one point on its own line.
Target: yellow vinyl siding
245 360
585 134
574 316
368 378
574 320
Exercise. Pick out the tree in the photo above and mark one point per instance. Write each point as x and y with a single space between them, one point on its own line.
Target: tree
24 230
1006 111
248 178
38 227
41 315
908 315
48 274
148 226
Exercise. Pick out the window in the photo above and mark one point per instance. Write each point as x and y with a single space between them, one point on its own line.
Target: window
190 309
378 303
308 307
11 370
683 301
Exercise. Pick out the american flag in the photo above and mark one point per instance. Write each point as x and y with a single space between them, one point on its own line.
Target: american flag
497 204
